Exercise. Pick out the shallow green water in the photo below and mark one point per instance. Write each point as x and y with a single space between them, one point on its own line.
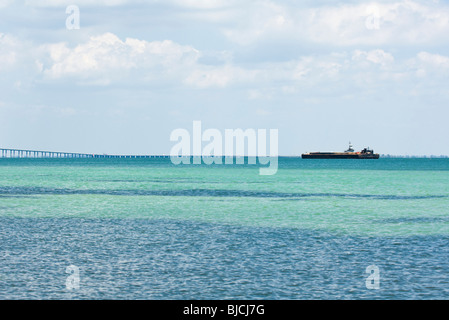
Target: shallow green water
380 197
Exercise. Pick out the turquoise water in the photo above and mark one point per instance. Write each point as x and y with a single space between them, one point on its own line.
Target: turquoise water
146 229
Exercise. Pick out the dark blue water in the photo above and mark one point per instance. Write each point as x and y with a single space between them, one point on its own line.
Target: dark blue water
163 259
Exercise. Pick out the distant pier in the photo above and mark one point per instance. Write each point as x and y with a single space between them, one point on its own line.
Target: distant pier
22 153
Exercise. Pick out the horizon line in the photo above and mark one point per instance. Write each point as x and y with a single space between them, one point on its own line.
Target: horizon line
36 154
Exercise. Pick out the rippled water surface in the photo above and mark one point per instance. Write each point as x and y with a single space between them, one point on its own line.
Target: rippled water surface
146 229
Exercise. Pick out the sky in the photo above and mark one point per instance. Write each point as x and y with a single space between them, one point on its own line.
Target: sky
322 73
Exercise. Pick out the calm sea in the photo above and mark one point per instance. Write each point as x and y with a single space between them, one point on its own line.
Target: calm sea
146 229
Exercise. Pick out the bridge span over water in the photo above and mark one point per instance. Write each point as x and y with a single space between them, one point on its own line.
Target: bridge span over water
23 153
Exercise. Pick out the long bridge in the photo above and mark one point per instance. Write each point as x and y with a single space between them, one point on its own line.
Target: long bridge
22 153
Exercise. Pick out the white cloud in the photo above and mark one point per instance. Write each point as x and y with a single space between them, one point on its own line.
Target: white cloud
202 4
434 60
194 4
64 3
260 20
9 51
375 23
429 64
376 56
106 56
106 59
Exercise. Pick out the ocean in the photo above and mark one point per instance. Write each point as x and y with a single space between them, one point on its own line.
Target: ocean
147 229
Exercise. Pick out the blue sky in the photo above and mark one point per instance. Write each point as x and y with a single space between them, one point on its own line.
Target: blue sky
321 72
